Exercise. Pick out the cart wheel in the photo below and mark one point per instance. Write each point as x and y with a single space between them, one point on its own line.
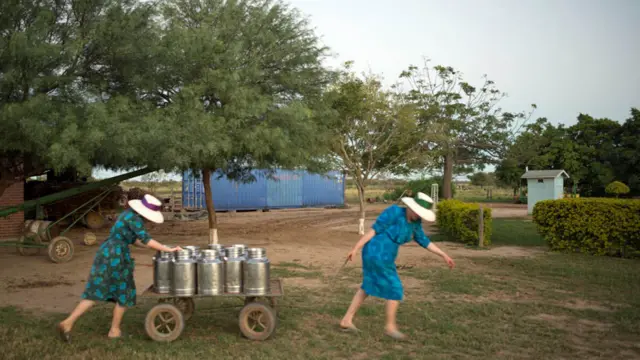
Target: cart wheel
186 305
30 238
164 323
60 249
257 321
94 220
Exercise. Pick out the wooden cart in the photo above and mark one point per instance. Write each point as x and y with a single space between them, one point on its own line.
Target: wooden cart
166 320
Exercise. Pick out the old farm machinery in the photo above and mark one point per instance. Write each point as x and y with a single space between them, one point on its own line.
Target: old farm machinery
38 234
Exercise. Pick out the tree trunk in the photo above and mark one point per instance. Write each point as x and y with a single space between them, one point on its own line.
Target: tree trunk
211 210
447 176
362 210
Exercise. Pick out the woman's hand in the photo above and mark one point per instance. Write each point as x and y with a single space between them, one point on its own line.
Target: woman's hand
351 254
177 248
449 261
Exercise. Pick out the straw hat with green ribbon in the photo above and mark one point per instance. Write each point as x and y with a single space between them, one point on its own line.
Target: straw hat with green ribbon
421 205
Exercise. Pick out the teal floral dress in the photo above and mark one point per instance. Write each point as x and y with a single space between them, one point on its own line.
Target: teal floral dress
380 276
111 277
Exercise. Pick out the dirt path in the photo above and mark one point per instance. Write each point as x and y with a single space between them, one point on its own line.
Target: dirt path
318 237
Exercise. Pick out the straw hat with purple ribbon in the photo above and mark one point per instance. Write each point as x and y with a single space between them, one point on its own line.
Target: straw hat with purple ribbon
148 207
421 205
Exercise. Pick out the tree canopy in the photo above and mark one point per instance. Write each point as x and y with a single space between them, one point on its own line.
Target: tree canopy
372 131
71 78
464 123
594 152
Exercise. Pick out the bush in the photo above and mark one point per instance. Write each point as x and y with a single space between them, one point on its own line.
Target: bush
422 185
458 221
617 188
596 226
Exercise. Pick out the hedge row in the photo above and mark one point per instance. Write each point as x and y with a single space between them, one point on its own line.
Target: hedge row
458 221
594 226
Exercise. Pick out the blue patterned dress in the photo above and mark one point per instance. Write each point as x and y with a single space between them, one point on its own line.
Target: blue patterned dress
111 277
380 277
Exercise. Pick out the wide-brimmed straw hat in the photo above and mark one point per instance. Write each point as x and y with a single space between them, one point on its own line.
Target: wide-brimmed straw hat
421 205
148 207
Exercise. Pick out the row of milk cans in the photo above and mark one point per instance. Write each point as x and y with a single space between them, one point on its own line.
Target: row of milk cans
217 270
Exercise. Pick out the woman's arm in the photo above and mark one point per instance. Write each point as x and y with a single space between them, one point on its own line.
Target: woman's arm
158 246
361 243
436 250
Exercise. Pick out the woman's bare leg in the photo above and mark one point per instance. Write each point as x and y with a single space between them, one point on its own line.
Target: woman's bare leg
118 313
391 327
358 299
81 308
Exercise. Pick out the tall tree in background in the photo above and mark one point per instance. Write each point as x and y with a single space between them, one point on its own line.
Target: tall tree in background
70 86
373 132
464 123
244 77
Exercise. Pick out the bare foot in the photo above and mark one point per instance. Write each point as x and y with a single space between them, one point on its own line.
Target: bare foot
114 333
348 326
395 334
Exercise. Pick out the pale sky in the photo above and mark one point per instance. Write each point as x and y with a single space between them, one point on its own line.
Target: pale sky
566 56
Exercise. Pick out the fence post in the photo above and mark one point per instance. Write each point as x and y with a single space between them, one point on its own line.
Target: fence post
481 227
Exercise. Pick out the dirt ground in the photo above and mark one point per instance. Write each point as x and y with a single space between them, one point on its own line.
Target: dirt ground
318 237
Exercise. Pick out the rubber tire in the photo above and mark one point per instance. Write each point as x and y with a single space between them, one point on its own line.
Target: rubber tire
94 220
60 241
266 311
149 323
190 306
29 251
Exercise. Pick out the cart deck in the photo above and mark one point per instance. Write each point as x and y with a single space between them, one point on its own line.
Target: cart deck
275 285
166 320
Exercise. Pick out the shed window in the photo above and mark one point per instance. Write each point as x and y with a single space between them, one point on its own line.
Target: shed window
540 180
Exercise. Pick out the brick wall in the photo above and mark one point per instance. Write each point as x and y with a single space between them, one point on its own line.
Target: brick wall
11 226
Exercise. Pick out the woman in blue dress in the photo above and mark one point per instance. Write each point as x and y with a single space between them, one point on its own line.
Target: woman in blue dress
111 276
394 227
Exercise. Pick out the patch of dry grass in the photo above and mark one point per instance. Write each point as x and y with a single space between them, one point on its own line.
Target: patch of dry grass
548 307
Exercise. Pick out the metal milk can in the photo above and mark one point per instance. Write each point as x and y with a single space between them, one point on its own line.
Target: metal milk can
210 273
183 274
243 249
257 272
233 265
162 272
194 251
219 248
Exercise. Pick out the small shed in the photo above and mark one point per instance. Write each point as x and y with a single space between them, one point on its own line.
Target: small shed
544 185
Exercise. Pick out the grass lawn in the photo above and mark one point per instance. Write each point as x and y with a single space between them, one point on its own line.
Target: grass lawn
549 307
509 232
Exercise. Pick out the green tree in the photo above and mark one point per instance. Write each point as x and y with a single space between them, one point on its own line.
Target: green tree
244 80
617 188
464 124
373 132
70 85
482 179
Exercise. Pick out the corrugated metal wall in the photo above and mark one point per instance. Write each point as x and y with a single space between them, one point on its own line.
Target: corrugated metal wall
289 189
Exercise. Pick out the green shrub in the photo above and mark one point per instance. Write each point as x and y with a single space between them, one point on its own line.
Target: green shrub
458 221
422 185
596 226
617 188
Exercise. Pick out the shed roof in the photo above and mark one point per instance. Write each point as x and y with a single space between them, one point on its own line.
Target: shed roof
543 174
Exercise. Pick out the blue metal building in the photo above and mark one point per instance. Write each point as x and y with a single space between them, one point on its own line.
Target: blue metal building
544 185
288 189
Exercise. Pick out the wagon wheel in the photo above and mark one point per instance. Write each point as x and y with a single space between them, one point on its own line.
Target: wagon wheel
164 323
257 321
186 305
94 220
60 249
30 238
272 301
